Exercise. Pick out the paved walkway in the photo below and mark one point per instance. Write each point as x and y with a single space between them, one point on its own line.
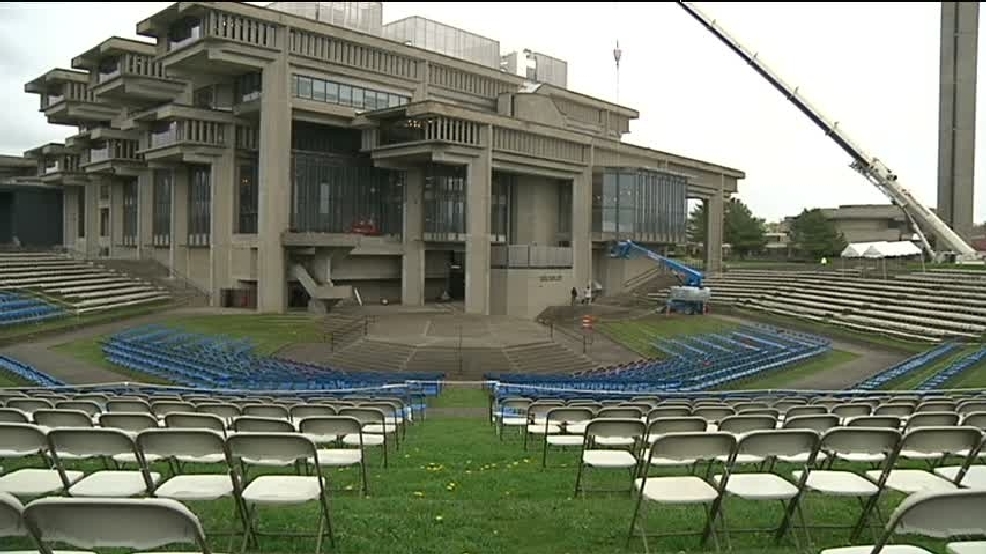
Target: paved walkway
870 360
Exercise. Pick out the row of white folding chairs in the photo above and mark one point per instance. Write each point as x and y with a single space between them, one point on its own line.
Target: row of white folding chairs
779 403
726 450
376 430
231 455
160 408
717 410
564 432
573 419
139 524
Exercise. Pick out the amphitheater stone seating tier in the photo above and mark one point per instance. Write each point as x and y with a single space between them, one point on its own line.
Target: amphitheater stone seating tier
75 286
927 306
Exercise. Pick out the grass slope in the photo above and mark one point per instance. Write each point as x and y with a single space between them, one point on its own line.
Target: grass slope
455 488
638 335
269 333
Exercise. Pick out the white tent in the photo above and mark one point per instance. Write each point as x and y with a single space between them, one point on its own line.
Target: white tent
898 249
856 249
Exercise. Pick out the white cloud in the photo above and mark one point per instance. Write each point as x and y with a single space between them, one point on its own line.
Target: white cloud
871 66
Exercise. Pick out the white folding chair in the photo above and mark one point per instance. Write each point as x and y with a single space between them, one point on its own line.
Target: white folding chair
688 489
626 433
924 441
278 490
373 419
183 420
49 419
511 412
10 415
198 446
138 524
100 443
328 430
563 427
20 440
975 474
942 515
13 526
767 485
853 443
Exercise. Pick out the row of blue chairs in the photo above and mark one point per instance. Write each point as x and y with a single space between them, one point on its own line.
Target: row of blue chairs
28 373
906 367
203 361
16 309
692 363
953 370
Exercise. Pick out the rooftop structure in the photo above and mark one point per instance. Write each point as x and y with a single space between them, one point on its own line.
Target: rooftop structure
300 162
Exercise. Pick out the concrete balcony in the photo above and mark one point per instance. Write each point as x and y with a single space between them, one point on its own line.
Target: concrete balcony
58 165
196 38
176 133
113 156
125 72
66 98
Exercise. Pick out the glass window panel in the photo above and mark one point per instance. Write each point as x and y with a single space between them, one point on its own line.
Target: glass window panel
305 87
332 93
318 90
358 102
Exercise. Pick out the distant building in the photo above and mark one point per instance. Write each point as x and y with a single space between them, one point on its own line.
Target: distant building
866 222
435 36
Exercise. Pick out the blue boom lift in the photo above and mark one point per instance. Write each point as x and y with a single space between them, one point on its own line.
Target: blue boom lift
690 297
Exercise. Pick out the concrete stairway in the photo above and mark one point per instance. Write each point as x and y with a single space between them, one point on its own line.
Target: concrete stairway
545 357
370 355
154 272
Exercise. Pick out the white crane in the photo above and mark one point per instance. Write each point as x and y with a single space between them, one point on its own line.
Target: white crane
876 172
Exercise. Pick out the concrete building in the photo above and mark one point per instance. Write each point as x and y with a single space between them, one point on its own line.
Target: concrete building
301 162
860 223
957 114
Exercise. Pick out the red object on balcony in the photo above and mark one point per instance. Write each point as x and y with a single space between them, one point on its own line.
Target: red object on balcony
365 227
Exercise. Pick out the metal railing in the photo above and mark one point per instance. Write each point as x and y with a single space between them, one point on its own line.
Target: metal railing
344 336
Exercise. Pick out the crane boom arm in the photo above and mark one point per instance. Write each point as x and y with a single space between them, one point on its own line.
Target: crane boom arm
871 167
690 277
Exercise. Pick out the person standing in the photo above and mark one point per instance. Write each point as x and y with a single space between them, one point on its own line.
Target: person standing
588 295
575 296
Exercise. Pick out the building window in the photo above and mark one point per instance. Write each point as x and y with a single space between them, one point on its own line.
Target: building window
334 194
184 32
565 208
247 87
502 189
639 204
199 205
445 200
361 98
248 197
104 222
104 192
161 214
80 208
130 204
204 97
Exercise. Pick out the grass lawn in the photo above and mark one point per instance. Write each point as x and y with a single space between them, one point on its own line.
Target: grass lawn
10 380
637 335
783 377
454 488
65 323
268 332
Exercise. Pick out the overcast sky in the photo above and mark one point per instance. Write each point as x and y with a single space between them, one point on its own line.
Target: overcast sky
871 66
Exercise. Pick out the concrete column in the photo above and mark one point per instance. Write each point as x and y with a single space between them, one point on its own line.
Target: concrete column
178 256
116 216
70 225
275 187
92 218
957 114
413 264
582 227
145 212
479 178
714 210
223 203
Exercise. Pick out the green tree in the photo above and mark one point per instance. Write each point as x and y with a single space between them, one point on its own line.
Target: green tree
814 235
743 232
